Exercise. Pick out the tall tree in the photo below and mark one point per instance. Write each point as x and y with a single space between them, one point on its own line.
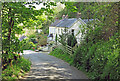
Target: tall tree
14 13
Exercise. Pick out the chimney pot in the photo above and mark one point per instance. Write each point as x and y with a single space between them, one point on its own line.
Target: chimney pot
66 16
78 14
63 16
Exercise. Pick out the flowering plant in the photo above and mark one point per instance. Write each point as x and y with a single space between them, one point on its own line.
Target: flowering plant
33 48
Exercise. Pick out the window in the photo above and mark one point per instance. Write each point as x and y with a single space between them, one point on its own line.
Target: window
65 30
62 30
51 35
72 31
58 30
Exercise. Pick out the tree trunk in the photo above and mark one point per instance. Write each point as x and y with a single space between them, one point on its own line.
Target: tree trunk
11 23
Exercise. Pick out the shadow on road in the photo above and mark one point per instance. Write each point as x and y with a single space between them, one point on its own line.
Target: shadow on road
45 66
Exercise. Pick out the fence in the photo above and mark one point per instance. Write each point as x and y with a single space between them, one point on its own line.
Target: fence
67 49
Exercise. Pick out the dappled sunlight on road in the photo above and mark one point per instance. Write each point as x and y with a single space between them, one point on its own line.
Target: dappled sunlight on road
49 71
45 66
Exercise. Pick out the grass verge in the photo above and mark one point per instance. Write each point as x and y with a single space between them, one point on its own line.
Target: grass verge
64 56
18 69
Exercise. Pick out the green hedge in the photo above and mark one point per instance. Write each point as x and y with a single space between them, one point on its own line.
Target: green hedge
100 60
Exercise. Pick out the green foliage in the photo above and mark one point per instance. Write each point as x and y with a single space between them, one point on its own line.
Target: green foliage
56 39
70 10
32 36
26 44
24 64
19 67
62 39
42 39
29 45
98 52
99 59
71 40
67 38
60 54
14 14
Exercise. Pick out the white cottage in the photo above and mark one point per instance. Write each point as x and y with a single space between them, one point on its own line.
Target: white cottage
72 25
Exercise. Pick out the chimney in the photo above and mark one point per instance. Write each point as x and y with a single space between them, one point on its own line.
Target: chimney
66 16
63 16
78 15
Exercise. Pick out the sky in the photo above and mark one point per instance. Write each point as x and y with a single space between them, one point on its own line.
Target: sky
37 6
42 6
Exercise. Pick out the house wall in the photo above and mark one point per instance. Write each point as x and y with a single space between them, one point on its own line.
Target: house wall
52 31
77 29
56 30
75 26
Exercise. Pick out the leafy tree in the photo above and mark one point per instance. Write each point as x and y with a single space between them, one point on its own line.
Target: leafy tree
14 13
56 38
70 10
98 52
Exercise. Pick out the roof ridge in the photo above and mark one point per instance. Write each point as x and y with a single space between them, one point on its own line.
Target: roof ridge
66 22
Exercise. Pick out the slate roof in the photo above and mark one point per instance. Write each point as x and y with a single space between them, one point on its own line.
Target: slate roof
55 23
68 22
64 22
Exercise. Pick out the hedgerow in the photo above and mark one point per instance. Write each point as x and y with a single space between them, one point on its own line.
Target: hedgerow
100 60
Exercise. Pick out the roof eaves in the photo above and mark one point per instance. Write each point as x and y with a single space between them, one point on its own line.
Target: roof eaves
82 21
73 23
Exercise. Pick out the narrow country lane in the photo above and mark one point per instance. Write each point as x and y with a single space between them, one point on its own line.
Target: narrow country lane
45 66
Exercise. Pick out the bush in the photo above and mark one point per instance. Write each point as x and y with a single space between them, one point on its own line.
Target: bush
62 39
18 68
24 64
26 44
56 39
32 36
60 54
99 59
42 39
71 40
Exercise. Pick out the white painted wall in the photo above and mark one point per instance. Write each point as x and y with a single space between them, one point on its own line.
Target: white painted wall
76 30
56 30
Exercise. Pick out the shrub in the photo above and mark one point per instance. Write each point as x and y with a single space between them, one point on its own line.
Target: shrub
24 64
13 72
99 59
71 40
60 54
62 39
32 36
56 38
26 44
42 39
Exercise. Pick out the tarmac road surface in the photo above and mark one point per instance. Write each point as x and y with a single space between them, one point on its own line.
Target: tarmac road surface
45 66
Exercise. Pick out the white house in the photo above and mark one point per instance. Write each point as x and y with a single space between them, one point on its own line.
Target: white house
72 25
